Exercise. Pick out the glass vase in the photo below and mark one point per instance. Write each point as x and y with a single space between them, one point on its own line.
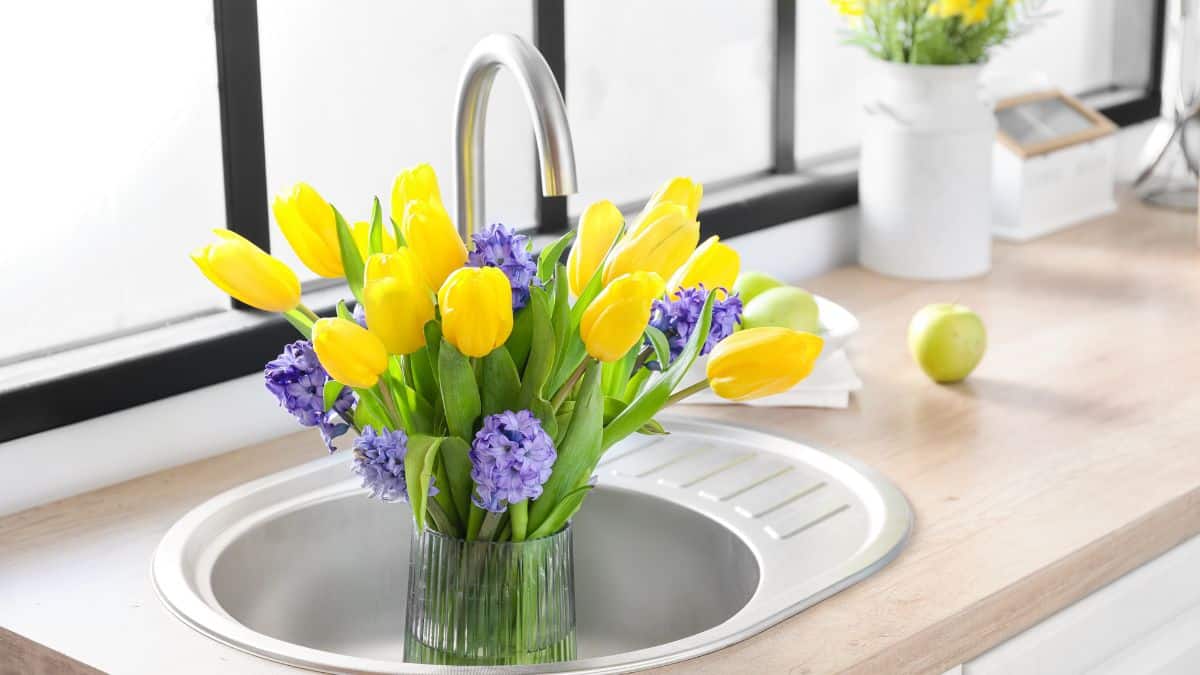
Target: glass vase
490 603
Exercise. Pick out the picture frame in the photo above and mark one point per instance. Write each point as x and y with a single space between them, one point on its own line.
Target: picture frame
1043 122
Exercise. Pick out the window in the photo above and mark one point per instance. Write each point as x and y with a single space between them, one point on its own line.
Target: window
140 125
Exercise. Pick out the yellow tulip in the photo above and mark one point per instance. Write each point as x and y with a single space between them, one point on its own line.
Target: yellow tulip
715 265
661 245
397 302
598 227
248 273
476 304
306 219
418 184
679 190
350 353
362 239
616 319
851 8
759 362
427 230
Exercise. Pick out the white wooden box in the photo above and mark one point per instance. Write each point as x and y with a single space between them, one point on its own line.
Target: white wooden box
1034 196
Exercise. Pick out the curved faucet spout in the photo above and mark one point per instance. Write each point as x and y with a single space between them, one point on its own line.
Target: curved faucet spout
540 91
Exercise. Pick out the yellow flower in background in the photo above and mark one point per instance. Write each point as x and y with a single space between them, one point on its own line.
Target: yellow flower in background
715 265
679 190
418 184
476 304
661 244
970 12
616 319
397 301
759 362
598 228
427 230
362 239
248 273
307 222
849 7
352 354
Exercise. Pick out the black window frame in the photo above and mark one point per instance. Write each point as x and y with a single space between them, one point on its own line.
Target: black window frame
780 194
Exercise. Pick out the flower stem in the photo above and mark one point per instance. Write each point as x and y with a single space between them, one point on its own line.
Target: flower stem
441 520
491 522
389 404
565 390
308 313
686 392
519 513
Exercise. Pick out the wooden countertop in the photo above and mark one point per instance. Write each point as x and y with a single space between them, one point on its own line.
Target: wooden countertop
1071 456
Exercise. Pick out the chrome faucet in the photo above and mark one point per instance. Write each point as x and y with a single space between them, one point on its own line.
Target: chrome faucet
556 155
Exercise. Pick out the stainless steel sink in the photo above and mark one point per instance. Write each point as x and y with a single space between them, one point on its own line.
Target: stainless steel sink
690 543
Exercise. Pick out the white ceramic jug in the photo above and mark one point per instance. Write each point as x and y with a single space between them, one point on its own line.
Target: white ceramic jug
925 172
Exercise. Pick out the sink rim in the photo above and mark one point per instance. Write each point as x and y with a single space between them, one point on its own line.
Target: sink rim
198 608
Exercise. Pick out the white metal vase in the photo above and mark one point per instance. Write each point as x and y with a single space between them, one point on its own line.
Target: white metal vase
925 172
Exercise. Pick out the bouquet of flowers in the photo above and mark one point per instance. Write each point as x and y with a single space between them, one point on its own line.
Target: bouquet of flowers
935 32
486 382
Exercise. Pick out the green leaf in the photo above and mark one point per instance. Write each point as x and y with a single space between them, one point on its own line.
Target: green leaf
418 468
541 348
615 375
370 411
344 312
501 385
542 410
433 341
397 231
551 255
460 393
518 340
333 390
634 386
301 323
375 233
561 513
352 261
560 313
653 428
662 349
612 408
579 450
458 474
658 389
424 380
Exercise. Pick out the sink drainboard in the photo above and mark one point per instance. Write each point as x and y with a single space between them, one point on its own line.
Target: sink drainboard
690 542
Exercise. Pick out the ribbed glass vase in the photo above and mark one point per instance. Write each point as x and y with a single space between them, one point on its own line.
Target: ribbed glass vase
490 603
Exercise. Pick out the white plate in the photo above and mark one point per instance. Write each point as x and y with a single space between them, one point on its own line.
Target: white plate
837 324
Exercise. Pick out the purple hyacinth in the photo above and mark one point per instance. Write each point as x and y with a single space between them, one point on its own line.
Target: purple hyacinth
297 380
498 246
511 458
379 459
678 318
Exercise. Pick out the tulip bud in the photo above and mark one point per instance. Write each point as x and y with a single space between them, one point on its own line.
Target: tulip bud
248 273
307 222
714 265
616 319
350 353
362 239
759 362
661 245
432 237
679 190
598 227
396 301
418 184
476 304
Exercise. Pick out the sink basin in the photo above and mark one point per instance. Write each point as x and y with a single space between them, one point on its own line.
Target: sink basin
690 542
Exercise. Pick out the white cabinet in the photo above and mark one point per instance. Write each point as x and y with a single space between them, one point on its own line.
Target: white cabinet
1148 621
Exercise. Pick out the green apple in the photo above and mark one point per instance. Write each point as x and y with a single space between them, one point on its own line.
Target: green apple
947 341
784 307
750 285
